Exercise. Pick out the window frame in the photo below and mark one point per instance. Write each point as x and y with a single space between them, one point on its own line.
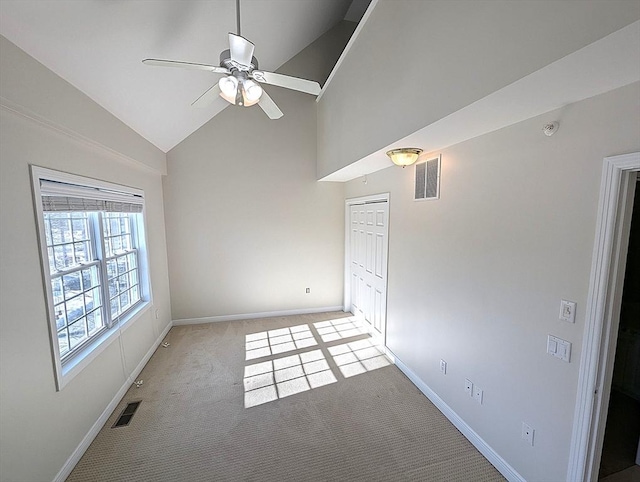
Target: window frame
68 366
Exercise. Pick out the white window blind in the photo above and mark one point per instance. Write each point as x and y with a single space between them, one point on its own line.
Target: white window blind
59 196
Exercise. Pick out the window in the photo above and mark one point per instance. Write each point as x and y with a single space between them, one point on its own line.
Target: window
92 240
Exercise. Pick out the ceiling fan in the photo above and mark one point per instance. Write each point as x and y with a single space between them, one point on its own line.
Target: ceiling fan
242 78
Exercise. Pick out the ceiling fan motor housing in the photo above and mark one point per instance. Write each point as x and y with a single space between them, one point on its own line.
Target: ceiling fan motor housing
227 63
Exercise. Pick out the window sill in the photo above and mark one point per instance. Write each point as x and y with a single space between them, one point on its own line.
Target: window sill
80 361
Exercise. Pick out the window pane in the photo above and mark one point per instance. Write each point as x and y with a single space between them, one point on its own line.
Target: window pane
56 287
123 283
64 257
58 256
126 242
52 260
47 231
80 229
75 308
116 244
86 279
113 287
59 312
71 284
60 227
92 299
63 341
94 322
82 252
132 260
124 301
125 226
133 277
122 264
115 226
114 307
97 297
77 332
107 248
112 269
135 294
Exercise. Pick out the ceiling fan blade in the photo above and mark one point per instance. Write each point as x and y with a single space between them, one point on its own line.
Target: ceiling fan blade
185 65
286 81
241 49
269 106
208 97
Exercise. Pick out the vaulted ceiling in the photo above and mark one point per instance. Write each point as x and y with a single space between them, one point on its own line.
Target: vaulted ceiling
98 45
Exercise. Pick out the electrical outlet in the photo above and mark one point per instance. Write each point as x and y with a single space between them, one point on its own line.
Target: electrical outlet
468 387
308 290
477 394
443 367
527 433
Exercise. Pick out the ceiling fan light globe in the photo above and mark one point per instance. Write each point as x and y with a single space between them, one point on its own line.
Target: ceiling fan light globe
252 91
230 99
228 86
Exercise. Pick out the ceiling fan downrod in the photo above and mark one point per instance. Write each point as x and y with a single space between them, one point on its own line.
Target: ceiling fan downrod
238 16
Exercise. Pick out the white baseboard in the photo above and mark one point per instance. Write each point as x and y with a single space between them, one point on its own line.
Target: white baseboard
97 426
250 316
491 455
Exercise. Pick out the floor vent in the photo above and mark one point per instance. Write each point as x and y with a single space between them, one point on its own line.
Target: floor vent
127 414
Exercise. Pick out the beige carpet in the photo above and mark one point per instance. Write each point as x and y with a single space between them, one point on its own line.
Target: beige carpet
324 404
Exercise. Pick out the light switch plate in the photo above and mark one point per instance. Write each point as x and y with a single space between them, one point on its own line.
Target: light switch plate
559 348
568 311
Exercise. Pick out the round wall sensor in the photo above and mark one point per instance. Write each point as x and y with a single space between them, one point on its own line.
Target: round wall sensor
550 129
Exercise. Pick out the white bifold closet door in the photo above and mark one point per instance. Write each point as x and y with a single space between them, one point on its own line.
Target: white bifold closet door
368 271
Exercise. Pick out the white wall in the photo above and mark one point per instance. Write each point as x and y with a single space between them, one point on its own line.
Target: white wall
46 122
476 277
248 226
445 55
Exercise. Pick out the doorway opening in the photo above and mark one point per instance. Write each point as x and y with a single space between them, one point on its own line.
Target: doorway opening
617 191
621 445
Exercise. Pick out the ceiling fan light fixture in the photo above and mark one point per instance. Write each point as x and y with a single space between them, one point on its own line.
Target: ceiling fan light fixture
404 156
252 91
228 88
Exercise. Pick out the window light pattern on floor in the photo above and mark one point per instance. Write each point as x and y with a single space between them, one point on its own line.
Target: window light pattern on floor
279 378
358 357
283 376
332 330
282 340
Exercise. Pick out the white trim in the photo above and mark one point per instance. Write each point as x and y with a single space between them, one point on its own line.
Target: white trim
46 174
250 316
25 113
85 357
65 373
350 43
483 447
102 419
584 453
385 197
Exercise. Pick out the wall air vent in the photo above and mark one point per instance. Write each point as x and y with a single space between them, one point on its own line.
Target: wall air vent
428 179
127 414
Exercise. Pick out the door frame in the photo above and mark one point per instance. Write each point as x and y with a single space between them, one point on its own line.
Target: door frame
382 197
602 314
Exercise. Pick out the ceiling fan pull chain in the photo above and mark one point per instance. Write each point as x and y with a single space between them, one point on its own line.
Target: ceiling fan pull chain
238 15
